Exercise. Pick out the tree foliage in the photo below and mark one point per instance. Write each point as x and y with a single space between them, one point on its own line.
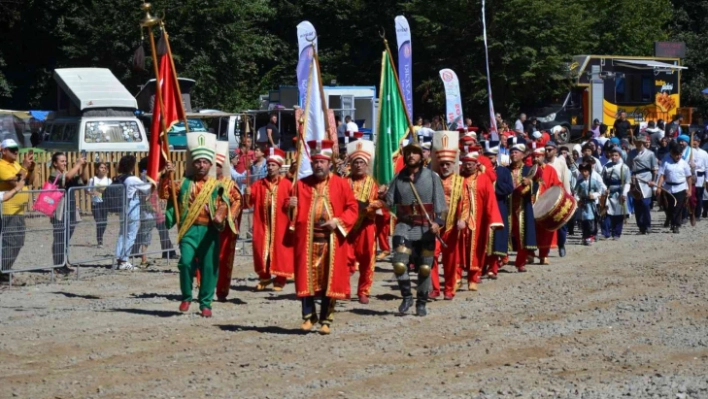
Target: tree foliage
238 49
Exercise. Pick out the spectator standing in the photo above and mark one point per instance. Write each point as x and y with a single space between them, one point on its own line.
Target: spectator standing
13 210
258 168
622 126
131 222
97 184
426 131
64 222
673 129
270 136
519 125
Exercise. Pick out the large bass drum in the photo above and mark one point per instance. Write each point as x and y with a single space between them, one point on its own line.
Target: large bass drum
554 208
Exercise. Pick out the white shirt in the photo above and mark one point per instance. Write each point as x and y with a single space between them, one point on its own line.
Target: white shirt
700 158
100 184
561 167
352 127
675 172
519 126
426 132
133 184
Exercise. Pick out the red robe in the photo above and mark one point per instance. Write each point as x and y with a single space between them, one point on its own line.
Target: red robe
453 261
362 238
547 177
272 241
227 239
336 200
481 212
383 229
488 167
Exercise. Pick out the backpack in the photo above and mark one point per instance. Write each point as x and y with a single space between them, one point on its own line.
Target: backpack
114 195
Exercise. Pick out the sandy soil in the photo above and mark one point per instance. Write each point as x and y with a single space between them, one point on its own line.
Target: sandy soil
620 318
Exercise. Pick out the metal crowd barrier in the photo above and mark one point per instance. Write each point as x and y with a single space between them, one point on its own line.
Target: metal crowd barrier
96 233
32 241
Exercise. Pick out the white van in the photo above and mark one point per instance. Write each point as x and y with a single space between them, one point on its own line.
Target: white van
95 112
95 133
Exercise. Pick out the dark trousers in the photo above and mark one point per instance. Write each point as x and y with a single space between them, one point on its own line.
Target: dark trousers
13 239
674 210
589 228
642 210
563 235
62 235
699 202
612 226
100 216
309 310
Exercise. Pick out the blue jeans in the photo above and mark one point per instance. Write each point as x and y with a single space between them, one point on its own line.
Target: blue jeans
643 213
126 239
612 226
563 234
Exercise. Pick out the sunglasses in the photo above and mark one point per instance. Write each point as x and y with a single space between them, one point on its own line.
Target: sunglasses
13 150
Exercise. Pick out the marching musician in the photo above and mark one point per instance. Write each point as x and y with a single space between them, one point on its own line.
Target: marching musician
644 167
546 177
503 188
272 239
326 211
523 225
480 213
419 199
616 176
560 164
362 237
446 156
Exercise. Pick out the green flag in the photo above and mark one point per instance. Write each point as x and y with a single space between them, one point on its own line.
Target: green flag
392 123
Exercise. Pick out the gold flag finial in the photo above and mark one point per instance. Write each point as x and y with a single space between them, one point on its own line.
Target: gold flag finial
150 20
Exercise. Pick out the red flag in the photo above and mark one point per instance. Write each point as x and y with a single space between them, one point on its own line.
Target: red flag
173 113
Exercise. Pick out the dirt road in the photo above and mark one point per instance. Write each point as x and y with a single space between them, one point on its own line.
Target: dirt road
620 318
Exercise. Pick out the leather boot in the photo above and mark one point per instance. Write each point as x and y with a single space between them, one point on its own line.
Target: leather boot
405 286
420 305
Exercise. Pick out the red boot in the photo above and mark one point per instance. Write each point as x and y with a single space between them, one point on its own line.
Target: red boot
184 306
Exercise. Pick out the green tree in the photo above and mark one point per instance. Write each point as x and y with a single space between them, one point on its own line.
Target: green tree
688 25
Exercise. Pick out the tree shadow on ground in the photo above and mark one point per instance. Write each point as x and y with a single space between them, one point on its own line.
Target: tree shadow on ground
145 312
262 329
72 295
169 297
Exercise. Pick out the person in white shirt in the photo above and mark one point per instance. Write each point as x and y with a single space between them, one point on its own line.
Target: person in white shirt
97 185
351 126
561 167
616 176
643 164
700 162
519 124
133 184
675 183
426 131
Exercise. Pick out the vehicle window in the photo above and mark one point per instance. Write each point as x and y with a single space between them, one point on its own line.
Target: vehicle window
57 132
195 125
112 132
70 132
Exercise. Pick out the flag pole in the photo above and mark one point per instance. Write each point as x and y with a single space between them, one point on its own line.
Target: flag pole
301 140
148 22
398 86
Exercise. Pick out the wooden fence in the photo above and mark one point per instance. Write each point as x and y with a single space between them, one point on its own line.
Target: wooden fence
44 168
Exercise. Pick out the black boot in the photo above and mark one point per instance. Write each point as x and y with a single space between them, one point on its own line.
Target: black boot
420 305
405 286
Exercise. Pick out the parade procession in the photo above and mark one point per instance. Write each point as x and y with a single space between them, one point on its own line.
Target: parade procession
541 241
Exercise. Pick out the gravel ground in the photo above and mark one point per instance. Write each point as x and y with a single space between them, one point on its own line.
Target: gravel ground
621 318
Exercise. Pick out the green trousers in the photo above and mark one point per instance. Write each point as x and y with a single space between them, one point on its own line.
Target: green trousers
199 249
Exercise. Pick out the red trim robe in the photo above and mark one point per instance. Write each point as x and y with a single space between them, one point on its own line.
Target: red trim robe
453 261
488 167
321 263
481 212
227 239
547 177
272 241
383 229
362 238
